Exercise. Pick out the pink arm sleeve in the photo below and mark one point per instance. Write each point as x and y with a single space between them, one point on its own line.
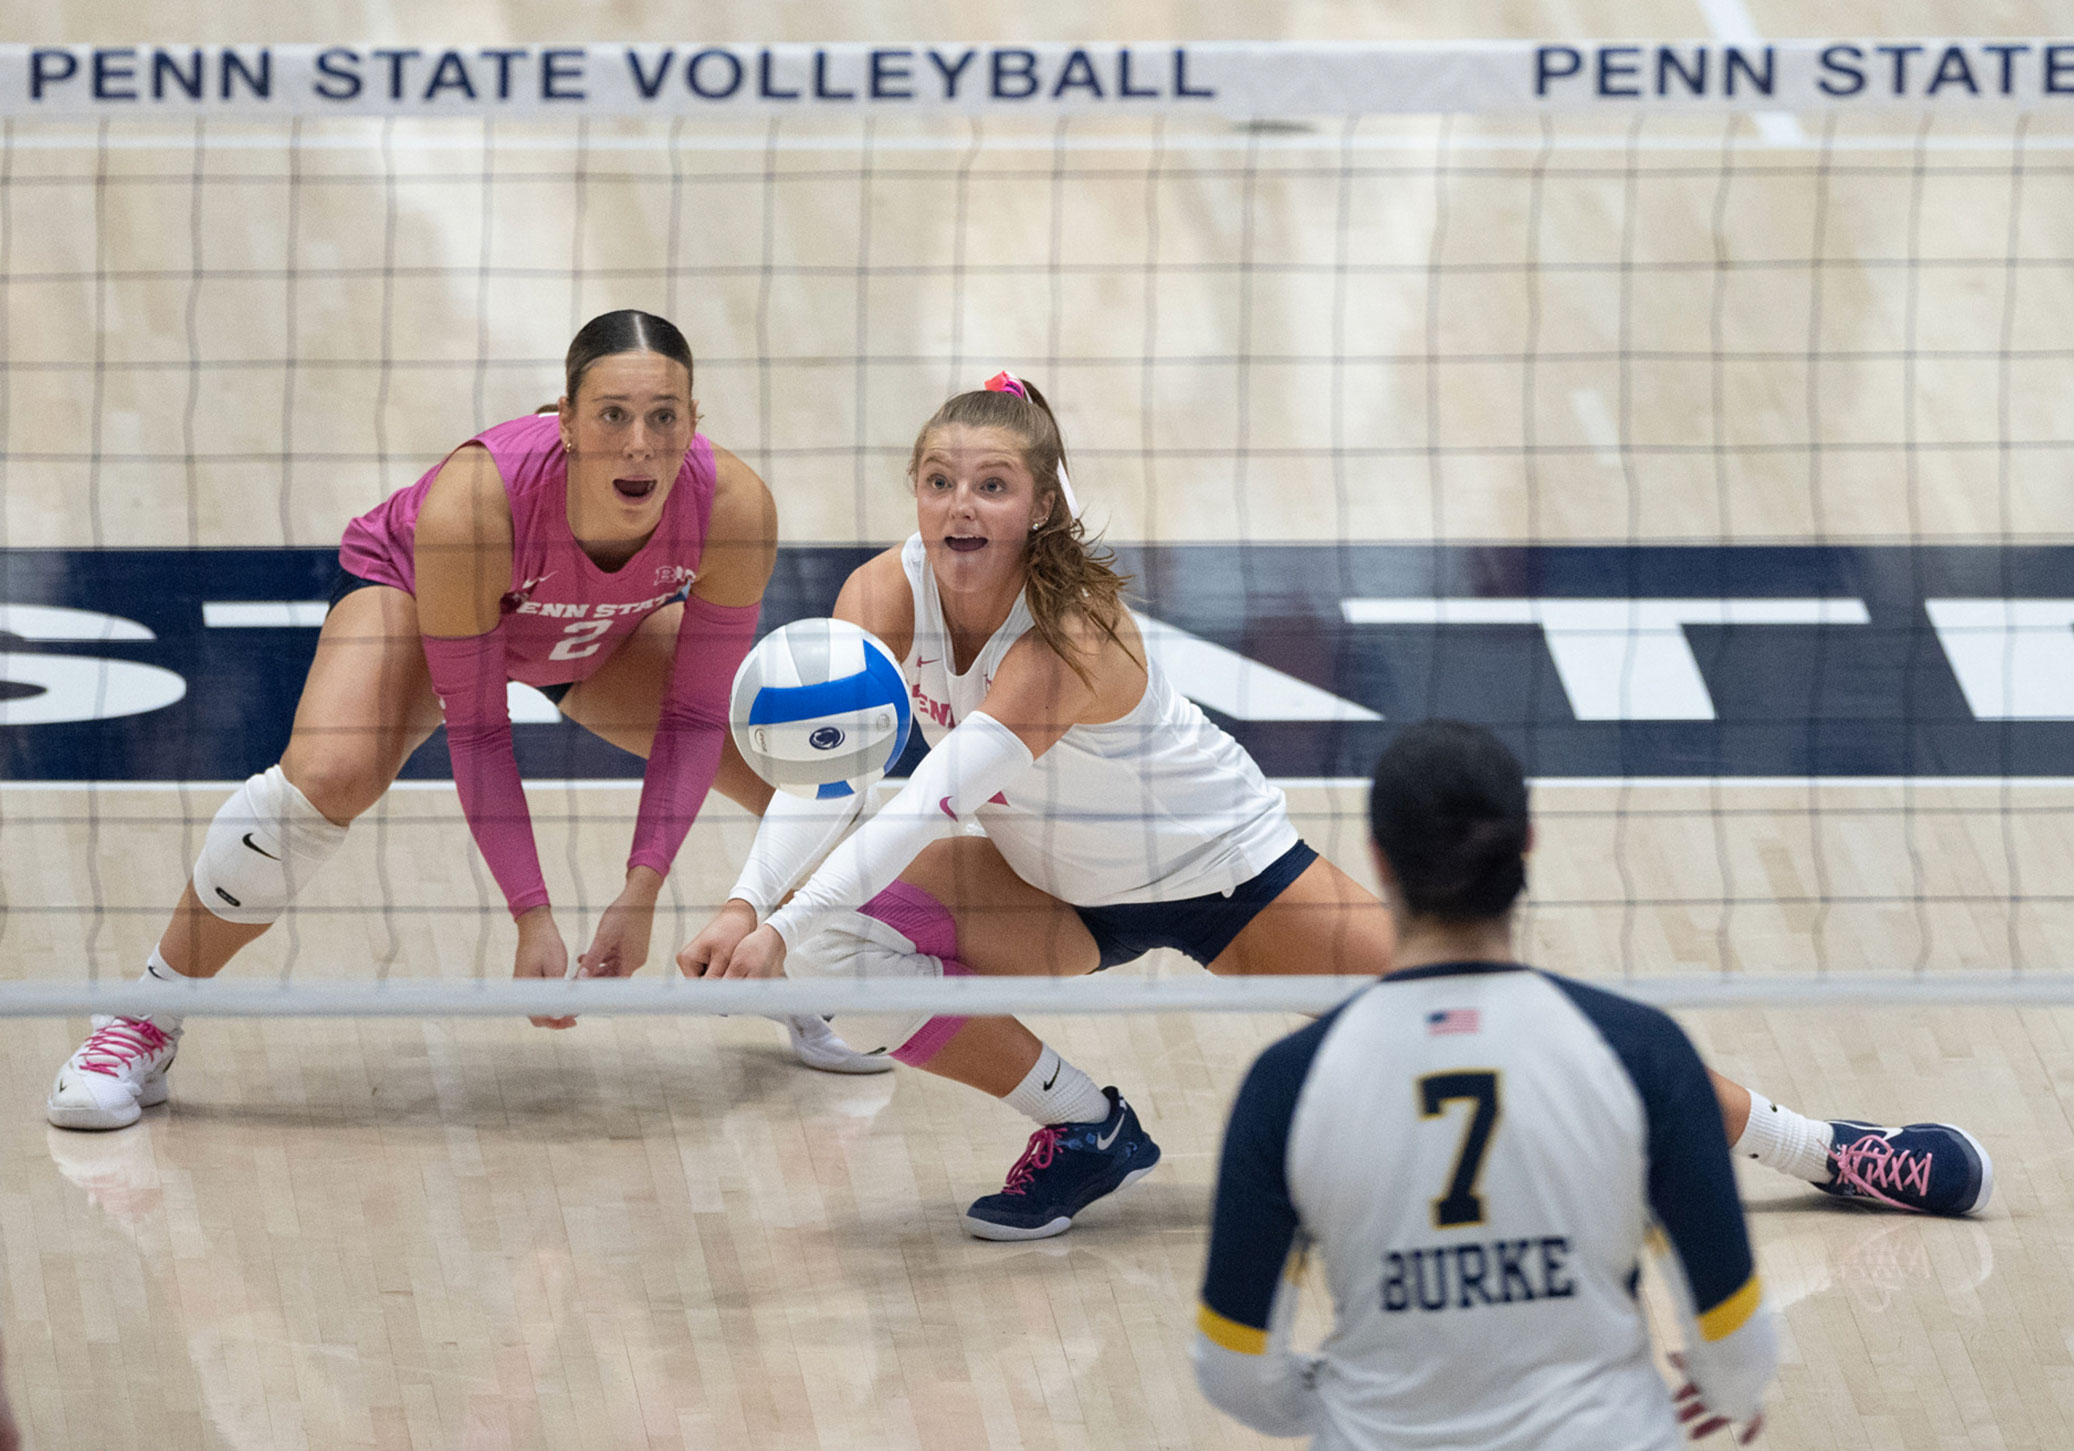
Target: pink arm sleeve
468 674
711 641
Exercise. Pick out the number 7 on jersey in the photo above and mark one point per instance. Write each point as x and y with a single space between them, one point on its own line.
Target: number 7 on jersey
1462 1204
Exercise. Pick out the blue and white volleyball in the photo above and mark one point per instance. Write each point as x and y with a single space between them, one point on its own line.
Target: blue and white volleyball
820 709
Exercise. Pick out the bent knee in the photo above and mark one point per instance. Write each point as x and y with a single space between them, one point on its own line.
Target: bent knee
340 784
956 869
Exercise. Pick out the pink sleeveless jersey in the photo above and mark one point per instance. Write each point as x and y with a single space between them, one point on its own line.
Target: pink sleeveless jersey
564 616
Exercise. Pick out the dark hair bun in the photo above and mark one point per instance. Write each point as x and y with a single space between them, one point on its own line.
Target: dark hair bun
1448 809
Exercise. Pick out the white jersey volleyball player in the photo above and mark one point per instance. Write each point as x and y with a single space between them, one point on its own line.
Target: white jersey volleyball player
1477 1152
1117 818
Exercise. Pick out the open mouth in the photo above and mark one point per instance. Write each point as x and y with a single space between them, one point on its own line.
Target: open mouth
964 543
633 489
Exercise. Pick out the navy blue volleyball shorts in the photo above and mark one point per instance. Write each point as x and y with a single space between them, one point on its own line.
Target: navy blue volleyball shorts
1201 927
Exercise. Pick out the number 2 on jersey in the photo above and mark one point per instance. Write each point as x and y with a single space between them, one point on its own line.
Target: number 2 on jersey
581 640
1462 1204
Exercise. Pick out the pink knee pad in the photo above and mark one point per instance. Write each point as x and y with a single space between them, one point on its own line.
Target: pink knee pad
927 923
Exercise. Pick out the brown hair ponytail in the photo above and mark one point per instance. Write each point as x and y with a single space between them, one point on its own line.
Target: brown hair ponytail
1065 572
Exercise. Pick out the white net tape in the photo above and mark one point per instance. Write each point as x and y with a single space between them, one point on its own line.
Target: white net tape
968 997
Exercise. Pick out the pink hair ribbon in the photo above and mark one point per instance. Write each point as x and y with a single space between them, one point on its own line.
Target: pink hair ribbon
1007 382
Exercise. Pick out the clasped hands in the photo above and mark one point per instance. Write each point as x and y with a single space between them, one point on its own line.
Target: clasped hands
732 945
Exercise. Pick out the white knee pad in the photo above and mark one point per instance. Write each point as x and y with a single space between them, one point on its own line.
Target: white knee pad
851 946
265 843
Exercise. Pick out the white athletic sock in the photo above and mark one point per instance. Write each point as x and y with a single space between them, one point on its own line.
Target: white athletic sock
1781 1139
157 969
1055 1092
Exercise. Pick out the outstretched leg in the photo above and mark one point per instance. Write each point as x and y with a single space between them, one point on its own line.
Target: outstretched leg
1325 921
1932 1168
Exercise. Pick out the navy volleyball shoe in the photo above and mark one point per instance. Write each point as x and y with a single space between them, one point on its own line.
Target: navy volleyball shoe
1066 1168
1930 1168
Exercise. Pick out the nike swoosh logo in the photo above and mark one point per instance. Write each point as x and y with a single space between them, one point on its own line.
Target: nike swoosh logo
1103 1143
928 662
945 803
1054 1077
260 849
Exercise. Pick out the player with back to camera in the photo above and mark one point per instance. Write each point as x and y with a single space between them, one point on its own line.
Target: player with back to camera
555 549
1477 1151
1117 818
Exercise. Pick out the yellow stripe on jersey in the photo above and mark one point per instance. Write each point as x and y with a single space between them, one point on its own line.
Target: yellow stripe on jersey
1730 1315
1230 1334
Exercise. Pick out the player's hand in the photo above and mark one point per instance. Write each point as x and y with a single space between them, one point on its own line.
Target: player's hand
761 954
541 954
620 945
1700 1420
708 954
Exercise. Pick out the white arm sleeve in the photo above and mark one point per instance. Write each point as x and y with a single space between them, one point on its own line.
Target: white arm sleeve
796 832
974 763
1275 1391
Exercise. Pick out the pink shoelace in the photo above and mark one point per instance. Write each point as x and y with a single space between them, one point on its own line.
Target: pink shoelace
111 1049
1871 1166
1044 1146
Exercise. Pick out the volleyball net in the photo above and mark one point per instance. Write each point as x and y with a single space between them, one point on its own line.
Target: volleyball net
1694 415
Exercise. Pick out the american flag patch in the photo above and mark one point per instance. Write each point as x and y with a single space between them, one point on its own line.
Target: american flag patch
1443 1021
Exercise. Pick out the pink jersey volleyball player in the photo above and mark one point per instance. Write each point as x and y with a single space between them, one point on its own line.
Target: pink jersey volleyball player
607 553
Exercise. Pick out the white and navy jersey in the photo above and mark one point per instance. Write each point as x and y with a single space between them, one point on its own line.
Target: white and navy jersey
1477 1151
1155 807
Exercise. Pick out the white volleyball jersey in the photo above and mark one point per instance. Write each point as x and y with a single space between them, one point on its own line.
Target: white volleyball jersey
1477 1150
1155 807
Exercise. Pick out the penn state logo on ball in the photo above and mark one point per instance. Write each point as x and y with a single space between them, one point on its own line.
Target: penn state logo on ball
819 708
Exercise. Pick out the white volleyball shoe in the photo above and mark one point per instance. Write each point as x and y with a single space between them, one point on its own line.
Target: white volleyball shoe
815 1044
118 1072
